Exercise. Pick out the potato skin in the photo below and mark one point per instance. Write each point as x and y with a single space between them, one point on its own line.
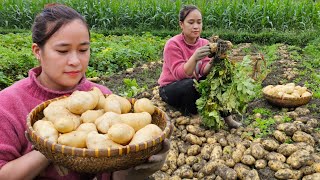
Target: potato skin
87 127
46 129
105 121
112 105
121 133
91 115
136 120
146 133
101 98
144 105
125 104
74 139
81 101
100 141
64 124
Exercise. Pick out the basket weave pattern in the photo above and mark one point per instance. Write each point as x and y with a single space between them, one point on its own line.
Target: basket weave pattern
98 160
287 102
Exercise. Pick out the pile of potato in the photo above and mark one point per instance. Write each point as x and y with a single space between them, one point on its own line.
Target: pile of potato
88 119
289 90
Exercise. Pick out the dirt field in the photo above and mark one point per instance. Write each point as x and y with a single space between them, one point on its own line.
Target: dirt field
222 163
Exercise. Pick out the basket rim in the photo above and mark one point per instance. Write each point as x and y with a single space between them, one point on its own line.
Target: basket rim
286 98
106 152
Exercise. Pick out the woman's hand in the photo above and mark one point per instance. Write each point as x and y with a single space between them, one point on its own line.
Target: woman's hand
201 52
143 171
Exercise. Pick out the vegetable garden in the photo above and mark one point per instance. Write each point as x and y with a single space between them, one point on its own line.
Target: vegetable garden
275 42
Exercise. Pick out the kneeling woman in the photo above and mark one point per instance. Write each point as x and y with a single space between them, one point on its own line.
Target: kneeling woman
185 59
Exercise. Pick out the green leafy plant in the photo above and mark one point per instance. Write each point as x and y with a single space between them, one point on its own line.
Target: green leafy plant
227 88
263 111
286 119
265 126
132 88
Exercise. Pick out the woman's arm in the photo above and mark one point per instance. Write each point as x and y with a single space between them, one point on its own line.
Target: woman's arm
27 166
207 68
199 54
190 65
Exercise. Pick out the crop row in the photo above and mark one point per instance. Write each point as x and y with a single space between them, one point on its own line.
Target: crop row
244 15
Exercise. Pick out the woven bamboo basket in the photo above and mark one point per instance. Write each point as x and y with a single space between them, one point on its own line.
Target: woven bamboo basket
287 102
85 160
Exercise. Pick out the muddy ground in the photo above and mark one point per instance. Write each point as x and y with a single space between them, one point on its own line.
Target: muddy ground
283 70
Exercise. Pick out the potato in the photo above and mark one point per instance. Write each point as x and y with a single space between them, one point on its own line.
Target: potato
302 90
213 47
64 124
272 91
74 139
99 141
51 112
96 141
45 129
287 89
60 102
146 133
121 133
87 127
280 94
297 95
81 101
101 100
144 105
267 88
291 84
125 104
112 105
90 116
76 122
136 120
306 94
105 121
297 87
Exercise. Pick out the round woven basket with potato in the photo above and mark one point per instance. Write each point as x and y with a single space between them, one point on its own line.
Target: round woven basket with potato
288 96
86 160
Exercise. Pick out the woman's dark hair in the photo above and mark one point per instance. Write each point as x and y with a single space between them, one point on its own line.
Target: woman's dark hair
185 10
50 20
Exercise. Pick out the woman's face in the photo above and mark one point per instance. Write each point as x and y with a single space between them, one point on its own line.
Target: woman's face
192 26
65 56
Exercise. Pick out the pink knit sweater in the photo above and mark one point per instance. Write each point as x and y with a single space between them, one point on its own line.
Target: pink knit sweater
16 102
176 53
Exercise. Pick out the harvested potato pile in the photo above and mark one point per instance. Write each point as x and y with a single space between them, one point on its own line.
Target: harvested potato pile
88 119
289 90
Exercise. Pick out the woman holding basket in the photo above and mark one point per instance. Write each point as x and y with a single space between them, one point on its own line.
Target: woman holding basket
61 44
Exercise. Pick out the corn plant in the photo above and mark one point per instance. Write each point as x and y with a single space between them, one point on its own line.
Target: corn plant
244 15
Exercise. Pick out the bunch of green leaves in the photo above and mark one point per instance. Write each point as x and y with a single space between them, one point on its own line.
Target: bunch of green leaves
132 88
265 126
226 89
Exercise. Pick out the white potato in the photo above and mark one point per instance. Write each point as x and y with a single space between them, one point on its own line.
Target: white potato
90 116
105 121
45 129
81 101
